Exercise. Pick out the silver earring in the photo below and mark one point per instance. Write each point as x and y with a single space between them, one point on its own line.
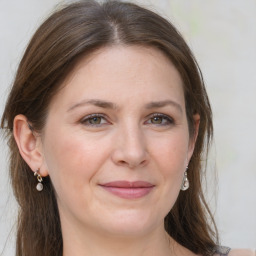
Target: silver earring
39 185
185 182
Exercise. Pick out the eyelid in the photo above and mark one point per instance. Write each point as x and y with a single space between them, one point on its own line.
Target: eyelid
88 117
164 116
169 119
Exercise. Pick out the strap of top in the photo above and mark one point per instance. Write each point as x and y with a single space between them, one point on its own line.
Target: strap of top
222 250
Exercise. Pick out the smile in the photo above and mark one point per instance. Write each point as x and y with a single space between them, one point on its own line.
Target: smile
128 190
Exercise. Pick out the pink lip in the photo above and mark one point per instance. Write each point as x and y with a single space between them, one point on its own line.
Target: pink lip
127 189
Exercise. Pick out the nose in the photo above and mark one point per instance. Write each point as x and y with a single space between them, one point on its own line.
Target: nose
130 148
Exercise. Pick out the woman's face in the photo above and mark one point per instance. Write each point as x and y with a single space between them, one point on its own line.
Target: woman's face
116 141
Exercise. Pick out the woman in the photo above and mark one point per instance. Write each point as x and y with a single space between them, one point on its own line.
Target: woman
108 119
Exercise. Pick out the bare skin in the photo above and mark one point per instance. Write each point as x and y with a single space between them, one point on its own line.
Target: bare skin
127 142
242 252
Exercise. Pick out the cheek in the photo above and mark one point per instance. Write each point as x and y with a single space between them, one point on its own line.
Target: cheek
71 160
170 156
171 153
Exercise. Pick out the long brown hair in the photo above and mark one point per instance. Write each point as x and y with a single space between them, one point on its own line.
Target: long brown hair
73 32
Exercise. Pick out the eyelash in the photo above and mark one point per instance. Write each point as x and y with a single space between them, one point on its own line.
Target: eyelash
90 117
168 119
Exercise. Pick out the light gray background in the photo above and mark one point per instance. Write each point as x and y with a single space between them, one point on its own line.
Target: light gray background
222 35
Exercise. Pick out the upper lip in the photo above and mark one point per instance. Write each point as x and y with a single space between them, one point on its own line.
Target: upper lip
128 184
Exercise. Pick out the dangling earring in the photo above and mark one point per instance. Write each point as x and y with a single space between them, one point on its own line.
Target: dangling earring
39 185
185 182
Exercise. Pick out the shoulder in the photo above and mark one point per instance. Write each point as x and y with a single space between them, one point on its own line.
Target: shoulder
226 251
242 252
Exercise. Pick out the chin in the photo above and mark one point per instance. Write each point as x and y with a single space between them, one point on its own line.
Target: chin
130 223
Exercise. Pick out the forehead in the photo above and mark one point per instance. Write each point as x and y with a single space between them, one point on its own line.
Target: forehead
121 73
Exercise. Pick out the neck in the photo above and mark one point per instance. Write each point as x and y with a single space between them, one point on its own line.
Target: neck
89 243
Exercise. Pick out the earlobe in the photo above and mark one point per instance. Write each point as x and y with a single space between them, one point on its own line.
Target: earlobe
27 142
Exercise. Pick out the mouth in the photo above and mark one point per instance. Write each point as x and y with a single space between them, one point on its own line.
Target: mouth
127 189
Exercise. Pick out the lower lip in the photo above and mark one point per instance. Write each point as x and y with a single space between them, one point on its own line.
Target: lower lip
129 193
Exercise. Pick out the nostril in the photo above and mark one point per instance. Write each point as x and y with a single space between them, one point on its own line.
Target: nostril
143 162
133 165
124 163
129 156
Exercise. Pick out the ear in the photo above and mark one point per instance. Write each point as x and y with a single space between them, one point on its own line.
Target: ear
29 144
192 141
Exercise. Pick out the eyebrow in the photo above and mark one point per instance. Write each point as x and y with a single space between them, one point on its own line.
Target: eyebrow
95 102
161 104
111 105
